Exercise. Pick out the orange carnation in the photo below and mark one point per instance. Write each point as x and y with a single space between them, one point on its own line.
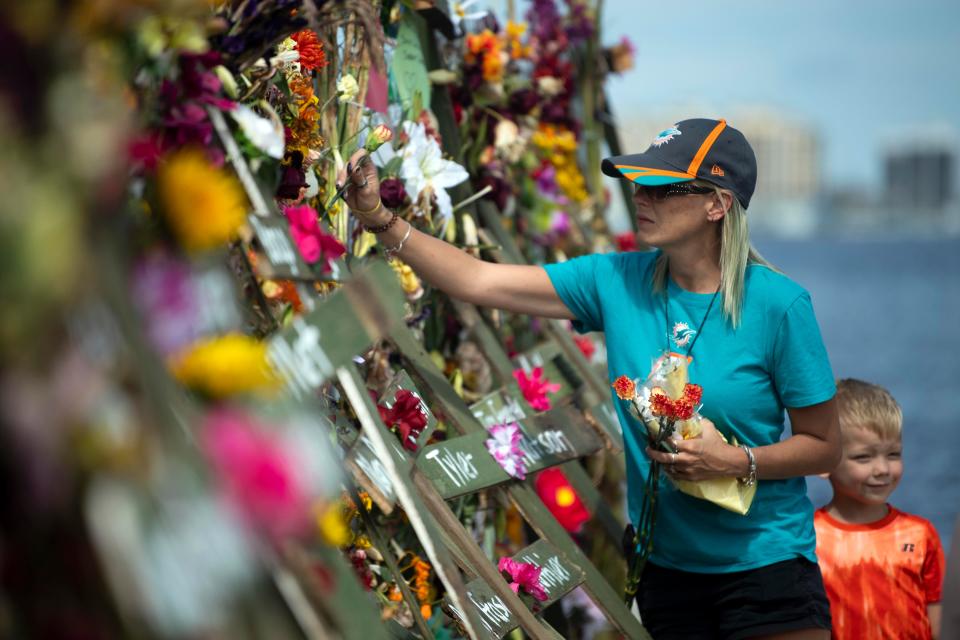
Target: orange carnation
625 387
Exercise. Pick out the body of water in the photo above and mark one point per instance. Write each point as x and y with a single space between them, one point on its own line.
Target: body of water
889 311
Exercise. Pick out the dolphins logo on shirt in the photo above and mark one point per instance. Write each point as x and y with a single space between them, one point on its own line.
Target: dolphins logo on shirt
682 334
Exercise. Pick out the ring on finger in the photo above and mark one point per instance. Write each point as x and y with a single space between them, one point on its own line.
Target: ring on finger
673 459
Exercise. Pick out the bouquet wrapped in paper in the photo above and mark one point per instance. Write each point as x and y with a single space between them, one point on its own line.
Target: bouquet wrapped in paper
667 404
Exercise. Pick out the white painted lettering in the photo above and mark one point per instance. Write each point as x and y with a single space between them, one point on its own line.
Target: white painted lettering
457 465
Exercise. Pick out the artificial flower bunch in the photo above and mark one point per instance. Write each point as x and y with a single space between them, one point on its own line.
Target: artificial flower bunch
665 402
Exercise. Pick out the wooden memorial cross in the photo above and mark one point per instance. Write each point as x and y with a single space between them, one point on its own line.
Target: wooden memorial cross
443 397
321 346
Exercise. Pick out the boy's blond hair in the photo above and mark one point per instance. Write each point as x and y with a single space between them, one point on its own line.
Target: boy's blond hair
870 406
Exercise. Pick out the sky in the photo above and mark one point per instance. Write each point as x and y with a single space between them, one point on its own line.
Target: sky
861 74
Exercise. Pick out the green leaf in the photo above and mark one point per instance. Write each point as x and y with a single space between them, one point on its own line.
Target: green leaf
409 69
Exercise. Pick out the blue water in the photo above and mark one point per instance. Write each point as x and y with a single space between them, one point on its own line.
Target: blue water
889 311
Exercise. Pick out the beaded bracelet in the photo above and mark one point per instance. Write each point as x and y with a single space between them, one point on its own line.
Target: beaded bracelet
375 207
383 227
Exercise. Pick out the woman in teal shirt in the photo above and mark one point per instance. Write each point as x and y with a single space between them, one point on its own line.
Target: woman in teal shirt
756 350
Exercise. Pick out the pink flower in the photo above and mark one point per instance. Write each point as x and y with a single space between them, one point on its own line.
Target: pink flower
504 445
523 575
535 388
258 473
311 240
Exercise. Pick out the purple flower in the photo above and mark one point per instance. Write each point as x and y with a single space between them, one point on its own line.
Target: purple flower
523 101
166 298
559 223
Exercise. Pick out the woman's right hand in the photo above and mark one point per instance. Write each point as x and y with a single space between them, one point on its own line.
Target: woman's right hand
363 196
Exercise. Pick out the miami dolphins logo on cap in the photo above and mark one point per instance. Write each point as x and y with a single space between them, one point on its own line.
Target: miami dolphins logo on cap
666 136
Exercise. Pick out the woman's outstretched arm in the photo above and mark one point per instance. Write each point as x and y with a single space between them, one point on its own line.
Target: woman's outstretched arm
517 288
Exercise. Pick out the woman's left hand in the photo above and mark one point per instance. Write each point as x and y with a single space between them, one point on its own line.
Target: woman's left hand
702 458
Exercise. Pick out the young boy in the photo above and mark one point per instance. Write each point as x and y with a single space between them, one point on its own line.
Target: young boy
882 568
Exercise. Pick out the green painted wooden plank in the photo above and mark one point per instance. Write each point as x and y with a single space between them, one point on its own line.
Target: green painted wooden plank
344 324
558 575
397 466
463 465
496 620
596 586
352 610
282 255
371 474
442 397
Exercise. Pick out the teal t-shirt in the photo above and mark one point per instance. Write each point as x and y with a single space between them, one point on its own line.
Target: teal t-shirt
773 360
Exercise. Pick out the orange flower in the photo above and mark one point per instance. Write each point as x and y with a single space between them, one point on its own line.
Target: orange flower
486 48
312 55
282 291
625 387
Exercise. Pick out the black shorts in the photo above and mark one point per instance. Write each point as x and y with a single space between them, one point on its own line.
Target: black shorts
781 597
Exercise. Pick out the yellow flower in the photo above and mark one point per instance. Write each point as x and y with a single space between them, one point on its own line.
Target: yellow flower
331 524
204 205
516 29
348 88
224 366
409 281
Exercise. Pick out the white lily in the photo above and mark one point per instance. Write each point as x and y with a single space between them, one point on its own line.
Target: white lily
265 134
458 13
425 170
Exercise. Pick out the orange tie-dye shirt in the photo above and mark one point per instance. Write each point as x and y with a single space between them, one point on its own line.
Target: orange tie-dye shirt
881 576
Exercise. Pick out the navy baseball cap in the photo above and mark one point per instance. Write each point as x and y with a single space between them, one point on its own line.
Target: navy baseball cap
697 148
